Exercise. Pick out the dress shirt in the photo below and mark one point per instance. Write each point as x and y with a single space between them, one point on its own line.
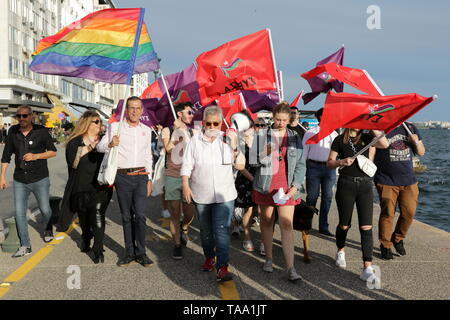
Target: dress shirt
321 150
210 168
135 147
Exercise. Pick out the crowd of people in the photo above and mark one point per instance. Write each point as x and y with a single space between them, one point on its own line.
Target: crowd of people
209 174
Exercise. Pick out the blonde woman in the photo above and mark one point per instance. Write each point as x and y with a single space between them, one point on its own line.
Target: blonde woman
83 194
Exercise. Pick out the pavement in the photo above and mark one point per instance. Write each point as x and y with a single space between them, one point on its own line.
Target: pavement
60 271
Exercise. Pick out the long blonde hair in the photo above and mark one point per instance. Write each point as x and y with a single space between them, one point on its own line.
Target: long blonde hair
82 125
346 138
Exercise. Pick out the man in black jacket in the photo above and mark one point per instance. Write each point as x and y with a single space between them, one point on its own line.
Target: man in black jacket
32 145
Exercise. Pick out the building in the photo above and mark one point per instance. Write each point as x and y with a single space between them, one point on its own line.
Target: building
23 23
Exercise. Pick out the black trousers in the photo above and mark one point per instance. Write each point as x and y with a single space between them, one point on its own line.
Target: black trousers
351 191
132 196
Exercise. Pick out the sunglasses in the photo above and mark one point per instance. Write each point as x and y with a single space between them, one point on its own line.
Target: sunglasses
293 112
23 116
260 125
96 121
214 124
190 113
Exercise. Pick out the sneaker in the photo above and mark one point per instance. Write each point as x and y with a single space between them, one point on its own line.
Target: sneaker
367 273
165 214
248 246
223 274
386 253
143 260
125 261
48 236
293 275
22 252
400 248
177 253
262 251
209 264
267 267
340 259
235 231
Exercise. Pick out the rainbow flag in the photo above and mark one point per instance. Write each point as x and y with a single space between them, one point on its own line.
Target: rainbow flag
108 45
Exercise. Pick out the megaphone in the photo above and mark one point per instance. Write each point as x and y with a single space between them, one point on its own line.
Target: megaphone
240 122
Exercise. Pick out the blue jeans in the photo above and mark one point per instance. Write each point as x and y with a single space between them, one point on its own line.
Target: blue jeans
215 221
319 176
41 190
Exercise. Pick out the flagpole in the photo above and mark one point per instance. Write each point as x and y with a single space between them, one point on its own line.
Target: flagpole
274 65
242 100
168 96
280 78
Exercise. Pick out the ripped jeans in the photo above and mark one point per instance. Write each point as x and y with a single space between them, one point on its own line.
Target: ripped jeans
215 221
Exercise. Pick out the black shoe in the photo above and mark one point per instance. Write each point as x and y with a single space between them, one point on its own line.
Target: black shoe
125 261
48 236
386 253
98 258
325 232
143 260
399 248
177 253
85 246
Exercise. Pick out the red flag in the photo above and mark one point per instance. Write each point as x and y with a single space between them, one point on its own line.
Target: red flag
357 78
230 104
295 102
152 91
355 111
242 64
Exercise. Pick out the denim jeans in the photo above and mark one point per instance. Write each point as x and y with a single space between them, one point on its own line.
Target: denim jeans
41 190
215 221
319 176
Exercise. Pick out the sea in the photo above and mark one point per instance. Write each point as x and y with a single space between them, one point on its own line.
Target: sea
434 183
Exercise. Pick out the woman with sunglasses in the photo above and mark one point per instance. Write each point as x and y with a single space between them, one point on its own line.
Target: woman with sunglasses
208 181
354 186
278 154
83 194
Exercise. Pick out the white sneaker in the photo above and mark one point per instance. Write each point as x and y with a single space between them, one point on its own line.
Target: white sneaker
268 266
293 275
165 214
262 251
248 245
340 259
367 273
22 252
235 231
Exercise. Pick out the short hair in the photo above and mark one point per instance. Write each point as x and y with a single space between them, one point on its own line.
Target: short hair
133 98
212 110
25 106
294 108
181 106
283 107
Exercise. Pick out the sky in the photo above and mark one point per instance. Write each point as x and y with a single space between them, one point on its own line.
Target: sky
409 53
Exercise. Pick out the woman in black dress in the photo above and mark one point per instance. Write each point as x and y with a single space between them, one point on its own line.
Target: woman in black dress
83 194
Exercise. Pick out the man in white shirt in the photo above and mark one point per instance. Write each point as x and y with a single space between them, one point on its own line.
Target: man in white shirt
207 179
133 180
318 176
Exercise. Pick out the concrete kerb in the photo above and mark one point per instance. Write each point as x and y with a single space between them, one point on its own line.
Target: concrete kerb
31 214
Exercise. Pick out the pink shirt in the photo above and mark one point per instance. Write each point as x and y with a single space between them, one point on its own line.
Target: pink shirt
210 168
134 148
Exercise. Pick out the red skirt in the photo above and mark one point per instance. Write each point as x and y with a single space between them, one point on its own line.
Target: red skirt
267 200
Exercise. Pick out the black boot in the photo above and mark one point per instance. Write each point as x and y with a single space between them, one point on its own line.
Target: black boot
386 253
98 258
399 248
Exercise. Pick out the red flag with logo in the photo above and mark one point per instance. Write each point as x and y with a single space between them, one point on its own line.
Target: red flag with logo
357 78
230 104
152 91
242 64
354 111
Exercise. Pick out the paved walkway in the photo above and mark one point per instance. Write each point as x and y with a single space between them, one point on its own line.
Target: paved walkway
422 274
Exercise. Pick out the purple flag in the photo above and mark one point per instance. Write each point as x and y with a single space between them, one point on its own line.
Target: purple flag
319 84
257 101
182 86
154 113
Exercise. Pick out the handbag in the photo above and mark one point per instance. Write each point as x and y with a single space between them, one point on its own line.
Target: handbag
108 168
366 165
158 174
